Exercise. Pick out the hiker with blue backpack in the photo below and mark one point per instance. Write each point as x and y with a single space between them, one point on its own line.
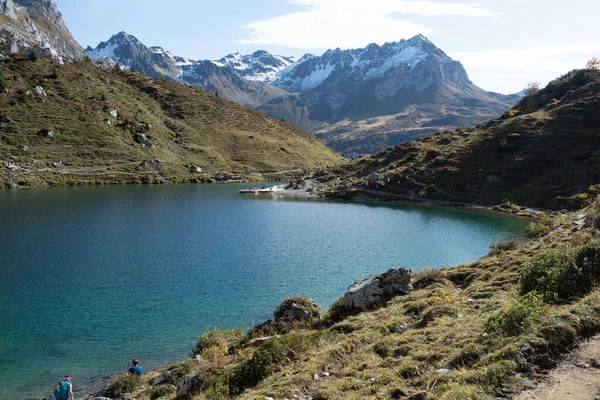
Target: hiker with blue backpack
64 389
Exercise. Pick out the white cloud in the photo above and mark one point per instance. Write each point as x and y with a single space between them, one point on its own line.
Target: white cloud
547 58
508 71
325 24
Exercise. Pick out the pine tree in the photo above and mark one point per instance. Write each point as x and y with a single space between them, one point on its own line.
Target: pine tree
282 119
33 56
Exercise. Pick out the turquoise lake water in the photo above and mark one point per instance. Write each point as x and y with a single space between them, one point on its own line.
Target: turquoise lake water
92 277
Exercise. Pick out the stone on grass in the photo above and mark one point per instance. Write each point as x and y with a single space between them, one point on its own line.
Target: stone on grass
377 289
160 379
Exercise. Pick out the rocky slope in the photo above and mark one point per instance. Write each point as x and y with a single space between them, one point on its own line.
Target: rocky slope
37 24
235 77
79 123
543 153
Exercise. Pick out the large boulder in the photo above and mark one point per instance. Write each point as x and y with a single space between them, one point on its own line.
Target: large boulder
185 385
297 308
377 289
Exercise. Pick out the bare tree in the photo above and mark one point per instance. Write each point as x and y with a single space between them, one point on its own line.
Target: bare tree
532 88
593 64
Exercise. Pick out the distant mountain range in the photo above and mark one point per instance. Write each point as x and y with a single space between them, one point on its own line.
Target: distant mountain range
356 101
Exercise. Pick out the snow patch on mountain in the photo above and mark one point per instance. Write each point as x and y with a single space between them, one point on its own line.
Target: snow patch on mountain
259 66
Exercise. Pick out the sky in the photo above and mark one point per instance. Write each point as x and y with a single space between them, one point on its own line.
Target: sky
503 44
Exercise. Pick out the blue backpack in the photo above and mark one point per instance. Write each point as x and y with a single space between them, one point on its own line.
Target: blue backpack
62 391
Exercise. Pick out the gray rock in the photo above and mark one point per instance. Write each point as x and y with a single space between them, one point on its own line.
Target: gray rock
583 365
39 91
443 371
184 384
5 119
375 289
160 379
374 178
113 112
100 398
47 133
294 312
398 329
196 169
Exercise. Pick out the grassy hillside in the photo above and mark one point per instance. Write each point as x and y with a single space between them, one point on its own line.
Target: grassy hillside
183 127
472 332
544 152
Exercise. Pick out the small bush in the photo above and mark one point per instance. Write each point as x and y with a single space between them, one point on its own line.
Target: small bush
519 317
561 276
267 358
162 391
3 82
122 385
427 277
33 56
336 313
500 247
539 228
215 342
54 74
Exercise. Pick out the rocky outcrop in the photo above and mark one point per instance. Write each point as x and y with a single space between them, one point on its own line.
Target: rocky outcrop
297 308
375 290
185 385
37 25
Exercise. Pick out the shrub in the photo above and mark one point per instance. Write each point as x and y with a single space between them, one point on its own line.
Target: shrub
123 384
427 277
519 317
162 391
267 358
561 276
54 74
215 342
336 313
3 82
539 227
500 247
33 56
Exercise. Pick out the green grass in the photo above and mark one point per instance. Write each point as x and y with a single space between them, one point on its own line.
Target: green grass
187 127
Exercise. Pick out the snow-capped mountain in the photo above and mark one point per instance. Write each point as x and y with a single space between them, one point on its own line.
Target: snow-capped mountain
402 61
258 66
235 77
411 80
129 52
37 25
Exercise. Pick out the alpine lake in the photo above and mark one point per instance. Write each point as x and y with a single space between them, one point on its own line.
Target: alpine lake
92 277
